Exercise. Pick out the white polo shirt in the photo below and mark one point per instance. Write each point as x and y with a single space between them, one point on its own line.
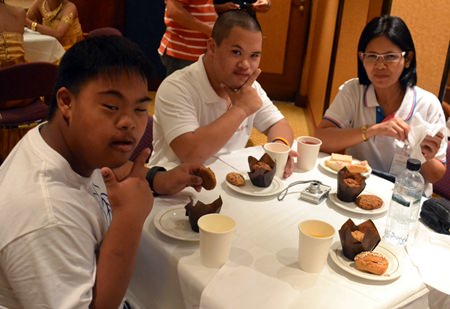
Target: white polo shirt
186 101
355 105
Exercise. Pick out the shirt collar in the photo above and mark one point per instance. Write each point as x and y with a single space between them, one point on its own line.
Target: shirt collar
207 93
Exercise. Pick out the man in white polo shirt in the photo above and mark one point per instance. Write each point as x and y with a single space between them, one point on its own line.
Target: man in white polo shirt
211 106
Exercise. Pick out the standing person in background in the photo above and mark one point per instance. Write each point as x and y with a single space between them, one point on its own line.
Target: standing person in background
188 26
12 20
58 18
372 114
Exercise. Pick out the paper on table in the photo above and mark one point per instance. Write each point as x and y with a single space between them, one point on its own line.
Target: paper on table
243 287
430 252
419 129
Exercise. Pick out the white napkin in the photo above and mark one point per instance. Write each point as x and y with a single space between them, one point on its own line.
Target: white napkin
243 287
430 252
419 129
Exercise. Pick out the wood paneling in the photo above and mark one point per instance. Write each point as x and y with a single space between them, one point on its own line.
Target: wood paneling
97 14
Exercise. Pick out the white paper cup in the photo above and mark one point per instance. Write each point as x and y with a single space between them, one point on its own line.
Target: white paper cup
315 238
216 235
308 149
279 153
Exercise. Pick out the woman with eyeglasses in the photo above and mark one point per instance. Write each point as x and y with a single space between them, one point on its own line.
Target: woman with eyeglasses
371 116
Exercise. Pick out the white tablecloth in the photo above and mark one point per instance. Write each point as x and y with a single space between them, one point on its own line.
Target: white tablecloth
40 47
169 273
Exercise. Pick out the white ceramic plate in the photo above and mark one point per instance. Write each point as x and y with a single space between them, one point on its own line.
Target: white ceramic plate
249 189
326 168
174 223
351 206
393 272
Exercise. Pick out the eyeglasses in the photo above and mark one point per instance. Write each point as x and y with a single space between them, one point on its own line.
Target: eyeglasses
385 58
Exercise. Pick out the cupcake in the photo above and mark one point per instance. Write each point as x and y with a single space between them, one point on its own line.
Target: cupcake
200 209
358 238
349 185
262 171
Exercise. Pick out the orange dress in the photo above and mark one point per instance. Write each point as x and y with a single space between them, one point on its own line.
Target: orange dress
11 48
53 19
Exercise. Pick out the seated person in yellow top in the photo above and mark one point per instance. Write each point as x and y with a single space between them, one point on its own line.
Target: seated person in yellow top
12 20
58 18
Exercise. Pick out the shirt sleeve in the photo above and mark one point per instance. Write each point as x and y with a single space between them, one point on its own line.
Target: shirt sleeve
268 114
342 111
54 267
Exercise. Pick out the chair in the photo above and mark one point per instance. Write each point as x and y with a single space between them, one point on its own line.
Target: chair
23 90
442 187
146 140
104 31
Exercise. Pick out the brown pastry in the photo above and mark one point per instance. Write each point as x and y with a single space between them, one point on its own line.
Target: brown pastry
371 262
200 209
369 201
349 185
236 179
358 238
208 178
262 171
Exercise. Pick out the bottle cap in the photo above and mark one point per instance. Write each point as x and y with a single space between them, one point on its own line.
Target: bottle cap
413 164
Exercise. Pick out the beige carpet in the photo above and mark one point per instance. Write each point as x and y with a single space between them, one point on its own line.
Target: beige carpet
294 115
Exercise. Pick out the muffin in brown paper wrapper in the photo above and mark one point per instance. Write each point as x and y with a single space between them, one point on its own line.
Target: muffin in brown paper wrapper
349 185
262 171
200 209
358 238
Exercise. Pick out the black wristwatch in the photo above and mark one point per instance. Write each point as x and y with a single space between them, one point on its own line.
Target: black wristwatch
151 176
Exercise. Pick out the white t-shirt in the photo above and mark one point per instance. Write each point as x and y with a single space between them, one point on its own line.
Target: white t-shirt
355 105
186 101
52 223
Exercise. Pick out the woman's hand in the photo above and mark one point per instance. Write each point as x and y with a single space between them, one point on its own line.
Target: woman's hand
396 128
430 145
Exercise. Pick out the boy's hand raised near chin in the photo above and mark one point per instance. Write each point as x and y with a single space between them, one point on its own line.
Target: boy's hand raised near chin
130 196
245 98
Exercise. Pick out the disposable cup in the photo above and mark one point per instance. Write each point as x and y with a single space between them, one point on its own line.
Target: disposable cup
279 153
216 235
315 238
308 149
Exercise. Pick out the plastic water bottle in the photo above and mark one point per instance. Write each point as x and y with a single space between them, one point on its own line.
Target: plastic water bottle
405 203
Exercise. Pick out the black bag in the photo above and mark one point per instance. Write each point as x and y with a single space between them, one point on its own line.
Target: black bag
435 214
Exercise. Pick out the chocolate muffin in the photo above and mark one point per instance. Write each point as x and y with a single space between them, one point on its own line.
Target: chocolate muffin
349 185
200 209
262 171
358 238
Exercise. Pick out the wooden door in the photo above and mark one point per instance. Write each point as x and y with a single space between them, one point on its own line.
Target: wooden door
96 14
285 29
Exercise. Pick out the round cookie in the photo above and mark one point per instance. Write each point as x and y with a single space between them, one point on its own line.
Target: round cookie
236 179
208 178
369 201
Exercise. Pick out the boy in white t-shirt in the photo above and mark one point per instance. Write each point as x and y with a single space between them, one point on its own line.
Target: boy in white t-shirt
72 205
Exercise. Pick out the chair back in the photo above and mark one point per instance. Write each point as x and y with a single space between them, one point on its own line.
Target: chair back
146 140
27 81
104 31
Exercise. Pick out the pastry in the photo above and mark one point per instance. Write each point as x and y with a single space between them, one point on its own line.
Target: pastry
349 185
371 262
235 179
200 209
338 161
358 238
208 178
262 171
369 201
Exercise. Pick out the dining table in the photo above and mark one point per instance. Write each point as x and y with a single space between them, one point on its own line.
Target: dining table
41 47
262 269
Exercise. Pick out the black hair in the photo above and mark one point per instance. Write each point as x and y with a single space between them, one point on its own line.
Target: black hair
92 57
394 29
233 18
